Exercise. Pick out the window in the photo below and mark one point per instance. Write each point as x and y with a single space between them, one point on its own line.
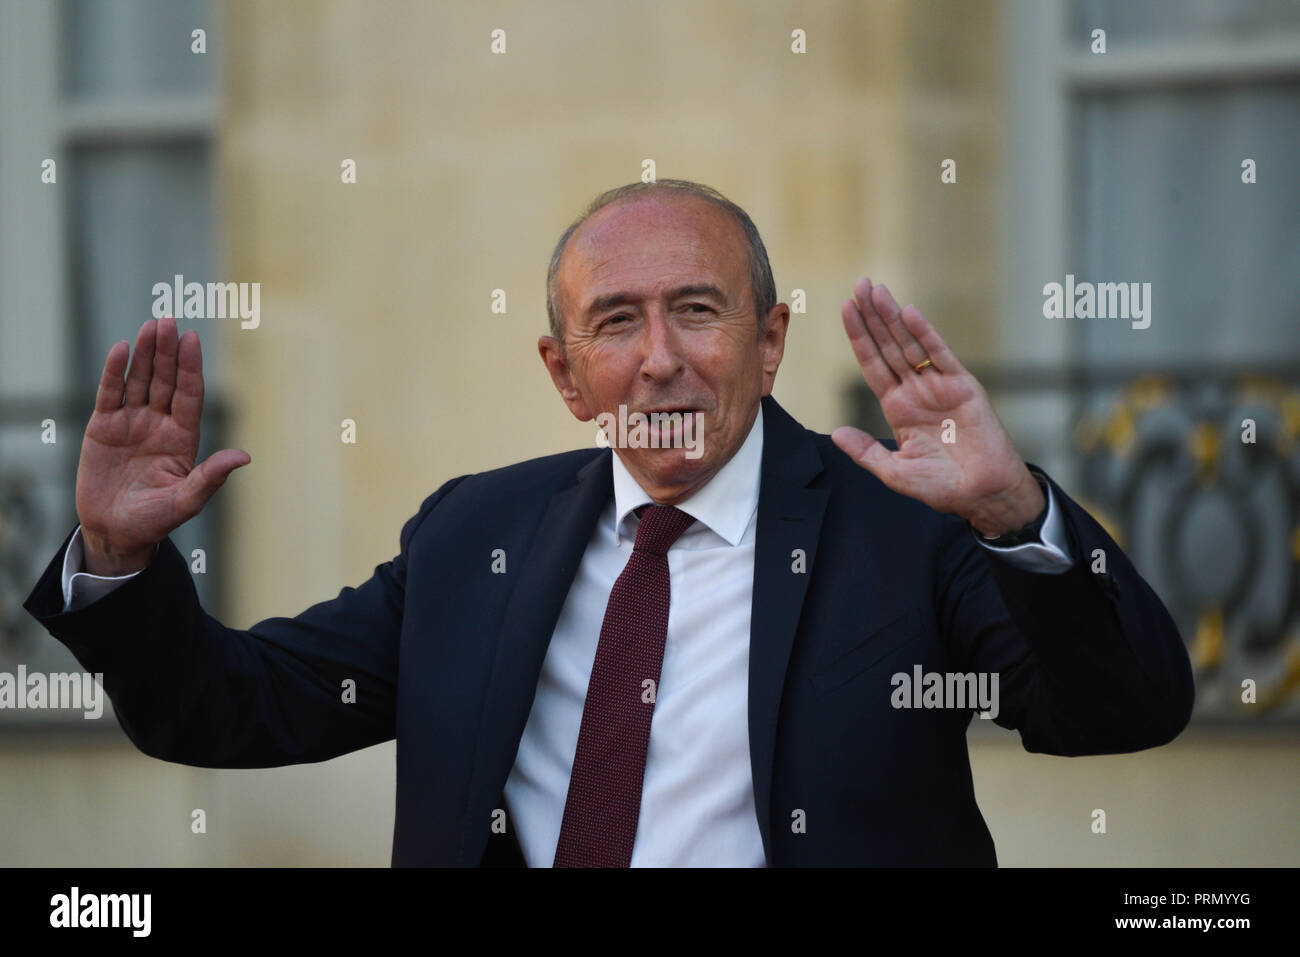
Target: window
1126 166
111 92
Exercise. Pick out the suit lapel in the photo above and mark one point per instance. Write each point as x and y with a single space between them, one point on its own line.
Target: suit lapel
546 574
789 519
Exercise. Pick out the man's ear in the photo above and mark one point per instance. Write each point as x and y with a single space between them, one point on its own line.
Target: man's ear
771 346
557 364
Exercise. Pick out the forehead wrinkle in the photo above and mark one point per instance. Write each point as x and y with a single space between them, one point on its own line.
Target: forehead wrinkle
675 275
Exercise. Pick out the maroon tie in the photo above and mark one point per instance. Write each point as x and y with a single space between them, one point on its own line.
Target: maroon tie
605 787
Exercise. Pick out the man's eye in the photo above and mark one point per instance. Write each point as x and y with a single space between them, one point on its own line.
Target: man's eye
613 319
699 305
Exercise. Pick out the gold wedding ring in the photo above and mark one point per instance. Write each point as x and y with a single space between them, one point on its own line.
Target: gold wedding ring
921 365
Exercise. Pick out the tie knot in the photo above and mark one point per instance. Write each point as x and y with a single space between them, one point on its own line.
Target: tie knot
661 525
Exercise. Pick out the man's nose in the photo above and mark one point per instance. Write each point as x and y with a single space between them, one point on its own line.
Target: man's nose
662 358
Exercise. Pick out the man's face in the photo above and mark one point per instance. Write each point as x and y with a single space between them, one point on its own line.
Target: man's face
658 313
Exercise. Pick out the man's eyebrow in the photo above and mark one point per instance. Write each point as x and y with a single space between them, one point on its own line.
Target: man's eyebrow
601 303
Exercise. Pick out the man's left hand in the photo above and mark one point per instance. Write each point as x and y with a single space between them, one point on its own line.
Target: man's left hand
953 452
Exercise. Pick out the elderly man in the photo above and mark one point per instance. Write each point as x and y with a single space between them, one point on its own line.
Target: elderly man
667 653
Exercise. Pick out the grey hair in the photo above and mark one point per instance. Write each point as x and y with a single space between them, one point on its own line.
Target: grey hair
763 286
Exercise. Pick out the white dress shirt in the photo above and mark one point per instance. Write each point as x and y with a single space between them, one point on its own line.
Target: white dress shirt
697 800
697 797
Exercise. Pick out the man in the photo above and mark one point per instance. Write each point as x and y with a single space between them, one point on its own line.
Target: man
713 679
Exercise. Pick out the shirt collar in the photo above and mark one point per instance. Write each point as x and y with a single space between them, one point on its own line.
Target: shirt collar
725 504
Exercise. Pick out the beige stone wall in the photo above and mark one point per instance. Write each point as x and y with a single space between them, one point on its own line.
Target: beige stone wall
376 295
1206 800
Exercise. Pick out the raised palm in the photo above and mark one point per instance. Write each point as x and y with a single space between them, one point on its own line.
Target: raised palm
137 480
953 452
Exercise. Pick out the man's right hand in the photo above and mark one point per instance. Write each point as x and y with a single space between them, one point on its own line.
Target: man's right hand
137 480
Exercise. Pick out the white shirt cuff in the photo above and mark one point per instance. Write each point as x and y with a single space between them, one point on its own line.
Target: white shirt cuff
1050 556
82 588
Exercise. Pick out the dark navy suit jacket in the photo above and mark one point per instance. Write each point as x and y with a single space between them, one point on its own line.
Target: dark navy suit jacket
446 654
